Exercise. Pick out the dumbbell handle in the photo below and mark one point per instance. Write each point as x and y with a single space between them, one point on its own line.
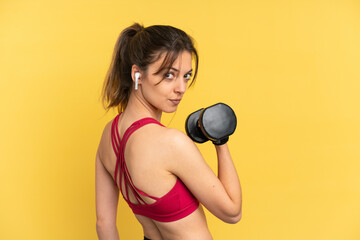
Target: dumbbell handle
221 141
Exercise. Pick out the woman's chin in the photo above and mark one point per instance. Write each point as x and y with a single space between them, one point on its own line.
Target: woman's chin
170 110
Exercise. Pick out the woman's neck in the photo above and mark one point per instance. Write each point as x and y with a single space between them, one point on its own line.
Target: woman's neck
138 107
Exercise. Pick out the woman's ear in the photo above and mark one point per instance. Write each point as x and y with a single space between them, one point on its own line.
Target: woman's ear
135 69
136 75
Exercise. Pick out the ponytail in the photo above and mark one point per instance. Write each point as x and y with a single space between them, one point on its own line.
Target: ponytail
118 81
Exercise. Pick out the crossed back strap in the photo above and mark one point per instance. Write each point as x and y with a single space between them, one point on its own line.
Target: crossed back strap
119 148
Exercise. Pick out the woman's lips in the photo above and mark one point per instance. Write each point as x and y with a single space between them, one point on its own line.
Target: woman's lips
175 101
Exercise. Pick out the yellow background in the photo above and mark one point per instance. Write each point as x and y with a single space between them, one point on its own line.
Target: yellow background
289 69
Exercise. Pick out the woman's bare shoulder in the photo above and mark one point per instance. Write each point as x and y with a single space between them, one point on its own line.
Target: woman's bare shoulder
173 138
175 143
164 140
106 132
105 139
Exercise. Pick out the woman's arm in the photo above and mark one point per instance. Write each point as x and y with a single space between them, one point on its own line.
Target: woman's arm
107 195
220 195
228 176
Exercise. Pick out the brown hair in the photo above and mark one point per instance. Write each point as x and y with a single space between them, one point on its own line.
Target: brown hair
142 46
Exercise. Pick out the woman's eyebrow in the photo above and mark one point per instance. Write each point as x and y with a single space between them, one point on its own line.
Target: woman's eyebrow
177 70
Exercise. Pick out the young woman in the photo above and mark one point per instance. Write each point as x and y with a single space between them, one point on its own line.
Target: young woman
159 171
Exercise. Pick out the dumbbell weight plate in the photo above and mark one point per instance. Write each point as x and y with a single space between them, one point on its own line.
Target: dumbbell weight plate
218 121
192 129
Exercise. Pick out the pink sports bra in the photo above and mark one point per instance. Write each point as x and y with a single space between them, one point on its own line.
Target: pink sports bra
176 204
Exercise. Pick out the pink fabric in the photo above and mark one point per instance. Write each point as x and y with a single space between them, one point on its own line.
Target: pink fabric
176 204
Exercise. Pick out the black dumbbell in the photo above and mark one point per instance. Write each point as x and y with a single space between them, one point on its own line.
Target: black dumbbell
215 123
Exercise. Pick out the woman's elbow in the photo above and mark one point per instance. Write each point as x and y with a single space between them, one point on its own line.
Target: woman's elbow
233 218
236 219
100 228
105 228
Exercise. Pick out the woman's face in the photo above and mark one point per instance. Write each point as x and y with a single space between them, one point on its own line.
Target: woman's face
165 90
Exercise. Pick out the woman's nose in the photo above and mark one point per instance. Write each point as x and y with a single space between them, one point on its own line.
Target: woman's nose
181 85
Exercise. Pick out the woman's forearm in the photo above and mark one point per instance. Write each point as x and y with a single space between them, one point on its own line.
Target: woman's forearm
228 176
107 232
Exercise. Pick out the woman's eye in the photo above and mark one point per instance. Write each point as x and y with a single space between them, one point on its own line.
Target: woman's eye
169 75
187 76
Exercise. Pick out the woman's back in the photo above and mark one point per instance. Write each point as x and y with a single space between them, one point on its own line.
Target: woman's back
146 157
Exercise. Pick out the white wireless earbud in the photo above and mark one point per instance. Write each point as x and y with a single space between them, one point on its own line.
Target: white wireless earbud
137 75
